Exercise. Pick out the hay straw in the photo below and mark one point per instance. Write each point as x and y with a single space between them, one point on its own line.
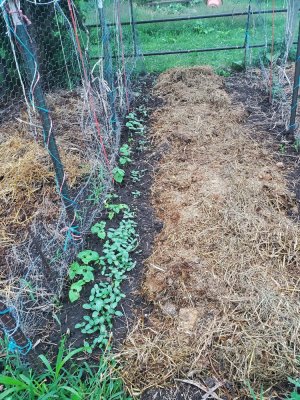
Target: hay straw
27 184
224 273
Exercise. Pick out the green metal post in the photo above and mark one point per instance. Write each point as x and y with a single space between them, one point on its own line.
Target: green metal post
39 101
107 61
292 125
132 22
246 43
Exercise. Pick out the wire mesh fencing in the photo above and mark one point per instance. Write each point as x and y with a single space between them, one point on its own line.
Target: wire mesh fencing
59 137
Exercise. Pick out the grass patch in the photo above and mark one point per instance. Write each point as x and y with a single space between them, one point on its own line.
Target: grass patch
63 379
206 33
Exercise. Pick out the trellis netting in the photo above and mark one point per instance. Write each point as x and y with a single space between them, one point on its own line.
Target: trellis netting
59 137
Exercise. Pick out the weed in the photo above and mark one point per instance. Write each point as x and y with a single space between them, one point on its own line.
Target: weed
252 393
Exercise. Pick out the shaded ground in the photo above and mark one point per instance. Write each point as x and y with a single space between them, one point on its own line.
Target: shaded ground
223 276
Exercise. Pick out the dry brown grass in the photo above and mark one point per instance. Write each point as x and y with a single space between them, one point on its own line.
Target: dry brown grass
224 273
27 184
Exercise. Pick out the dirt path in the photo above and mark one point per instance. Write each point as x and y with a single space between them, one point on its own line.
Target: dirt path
224 274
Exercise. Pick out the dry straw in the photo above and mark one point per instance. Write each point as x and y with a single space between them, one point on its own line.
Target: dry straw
224 273
27 185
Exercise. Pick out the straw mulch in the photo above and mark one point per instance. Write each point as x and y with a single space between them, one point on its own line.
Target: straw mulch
27 183
224 274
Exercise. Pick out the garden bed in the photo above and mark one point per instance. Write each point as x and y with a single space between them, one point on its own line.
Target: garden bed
223 275
213 301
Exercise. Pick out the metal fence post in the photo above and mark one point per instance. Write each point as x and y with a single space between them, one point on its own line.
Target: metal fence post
292 125
247 38
132 22
39 101
107 62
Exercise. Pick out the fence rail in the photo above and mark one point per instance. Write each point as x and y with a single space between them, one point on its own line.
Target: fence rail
133 24
194 17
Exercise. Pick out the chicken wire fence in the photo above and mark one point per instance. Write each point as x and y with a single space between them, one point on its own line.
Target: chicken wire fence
59 138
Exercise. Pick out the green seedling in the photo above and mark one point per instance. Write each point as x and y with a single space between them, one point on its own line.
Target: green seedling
88 256
136 193
282 148
295 395
296 145
111 196
136 176
118 174
143 111
99 229
134 124
106 295
125 153
114 209
86 271
75 289
143 143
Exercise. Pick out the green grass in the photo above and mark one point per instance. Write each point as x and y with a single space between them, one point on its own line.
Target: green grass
64 379
206 33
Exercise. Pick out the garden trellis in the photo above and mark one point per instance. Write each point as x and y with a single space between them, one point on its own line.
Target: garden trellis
60 134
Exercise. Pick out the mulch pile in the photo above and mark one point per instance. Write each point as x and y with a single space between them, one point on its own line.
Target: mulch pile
224 274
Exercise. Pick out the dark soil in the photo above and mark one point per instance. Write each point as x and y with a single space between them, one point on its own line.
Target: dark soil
143 159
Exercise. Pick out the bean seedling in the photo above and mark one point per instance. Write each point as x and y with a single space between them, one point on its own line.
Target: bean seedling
84 271
125 153
118 174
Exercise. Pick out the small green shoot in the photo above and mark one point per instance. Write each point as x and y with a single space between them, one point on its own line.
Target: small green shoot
125 153
99 229
85 272
136 175
88 256
296 145
118 174
136 193
106 295
114 209
282 148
